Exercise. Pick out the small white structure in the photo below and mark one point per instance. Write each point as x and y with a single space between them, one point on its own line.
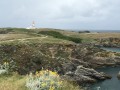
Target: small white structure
32 26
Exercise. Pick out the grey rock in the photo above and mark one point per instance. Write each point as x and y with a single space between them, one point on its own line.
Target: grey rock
86 75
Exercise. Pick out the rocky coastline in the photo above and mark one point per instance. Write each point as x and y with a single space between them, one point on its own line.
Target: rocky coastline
109 42
83 70
85 75
74 62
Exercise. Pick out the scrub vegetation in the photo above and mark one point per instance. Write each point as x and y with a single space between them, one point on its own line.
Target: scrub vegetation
28 56
41 80
18 47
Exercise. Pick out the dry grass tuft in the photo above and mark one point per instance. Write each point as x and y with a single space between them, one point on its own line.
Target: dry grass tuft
15 82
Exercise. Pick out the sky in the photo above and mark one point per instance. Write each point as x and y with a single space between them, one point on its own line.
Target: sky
62 14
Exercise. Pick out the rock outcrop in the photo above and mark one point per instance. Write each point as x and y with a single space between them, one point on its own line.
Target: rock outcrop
109 42
86 75
74 61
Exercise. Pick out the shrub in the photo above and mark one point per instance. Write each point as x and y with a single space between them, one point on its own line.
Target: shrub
7 67
44 80
15 81
4 68
84 31
60 36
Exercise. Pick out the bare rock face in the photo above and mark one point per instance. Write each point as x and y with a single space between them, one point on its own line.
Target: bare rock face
86 75
111 42
118 75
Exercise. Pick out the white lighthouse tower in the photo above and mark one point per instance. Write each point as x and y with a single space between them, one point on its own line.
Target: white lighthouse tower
32 26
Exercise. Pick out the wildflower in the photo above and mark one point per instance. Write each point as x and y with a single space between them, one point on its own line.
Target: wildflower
52 88
53 73
43 84
52 82
43 80
60 82
37 73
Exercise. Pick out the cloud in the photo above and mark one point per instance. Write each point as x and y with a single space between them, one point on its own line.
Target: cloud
68 10
87 10
59 11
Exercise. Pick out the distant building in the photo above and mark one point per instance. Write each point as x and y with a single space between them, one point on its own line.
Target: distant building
32 26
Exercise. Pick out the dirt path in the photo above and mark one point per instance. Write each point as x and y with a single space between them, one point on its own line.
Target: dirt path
23 39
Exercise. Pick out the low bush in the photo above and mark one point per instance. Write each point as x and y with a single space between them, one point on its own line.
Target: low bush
60 36
7 67
48 80
44 80
4 68
15 81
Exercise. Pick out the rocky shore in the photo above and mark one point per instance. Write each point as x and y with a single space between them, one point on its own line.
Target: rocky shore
109 42
82 68
85 75
75 62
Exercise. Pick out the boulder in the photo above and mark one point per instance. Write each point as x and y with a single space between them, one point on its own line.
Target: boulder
91 73
85 75
70 76
118 75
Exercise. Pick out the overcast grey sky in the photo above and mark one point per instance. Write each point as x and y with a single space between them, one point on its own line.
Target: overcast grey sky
68 14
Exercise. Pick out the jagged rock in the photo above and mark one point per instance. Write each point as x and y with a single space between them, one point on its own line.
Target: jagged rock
106 75
86 75
117 60
71 66
111 42
68 67
78 62
71 76
90 72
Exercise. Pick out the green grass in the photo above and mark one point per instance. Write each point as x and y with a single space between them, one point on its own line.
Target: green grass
58 35
21 36
33 40
61 34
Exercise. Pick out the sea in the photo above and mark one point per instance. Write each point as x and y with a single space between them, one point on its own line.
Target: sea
105 31
96 31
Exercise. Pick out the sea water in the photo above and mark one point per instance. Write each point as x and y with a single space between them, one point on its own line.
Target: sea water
111 49
110 84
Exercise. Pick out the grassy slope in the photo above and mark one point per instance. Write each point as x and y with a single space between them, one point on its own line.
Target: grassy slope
42 39
17 82
23 36
12 82
25 33
87 37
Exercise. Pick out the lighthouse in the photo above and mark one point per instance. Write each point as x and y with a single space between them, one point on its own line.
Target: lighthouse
33 25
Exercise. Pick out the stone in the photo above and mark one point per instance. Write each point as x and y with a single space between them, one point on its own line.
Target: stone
85 75
118 75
